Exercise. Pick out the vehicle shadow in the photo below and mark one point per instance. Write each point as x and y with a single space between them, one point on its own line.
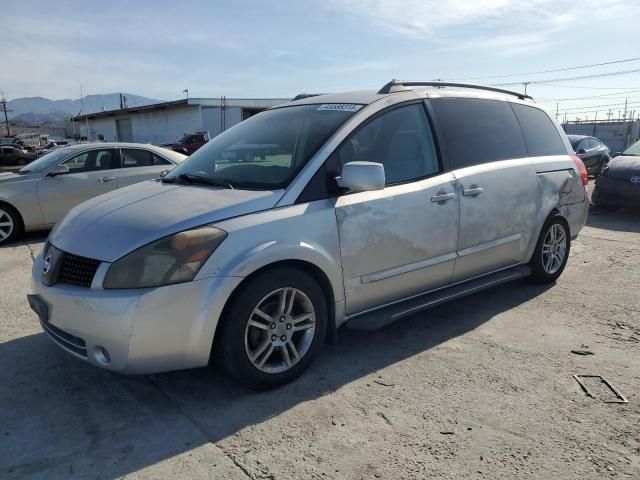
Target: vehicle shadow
29 237
620 220
62 418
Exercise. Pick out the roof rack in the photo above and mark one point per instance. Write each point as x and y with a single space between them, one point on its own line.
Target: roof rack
391 87
300 96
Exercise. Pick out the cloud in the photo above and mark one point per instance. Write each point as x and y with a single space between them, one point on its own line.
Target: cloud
506 27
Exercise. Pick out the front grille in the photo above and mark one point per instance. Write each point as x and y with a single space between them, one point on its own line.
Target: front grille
78 271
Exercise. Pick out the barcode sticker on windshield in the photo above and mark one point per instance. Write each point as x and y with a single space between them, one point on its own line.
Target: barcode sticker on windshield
340 107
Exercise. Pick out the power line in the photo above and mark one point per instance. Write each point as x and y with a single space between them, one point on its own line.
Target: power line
589 88
582 77
548 71
597 106
590 96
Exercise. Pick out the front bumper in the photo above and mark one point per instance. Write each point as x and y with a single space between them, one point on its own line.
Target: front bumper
615 191
143 331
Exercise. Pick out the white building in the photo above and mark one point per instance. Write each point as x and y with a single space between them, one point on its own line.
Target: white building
167 121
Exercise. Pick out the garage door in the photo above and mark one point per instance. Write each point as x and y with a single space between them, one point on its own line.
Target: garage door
124 130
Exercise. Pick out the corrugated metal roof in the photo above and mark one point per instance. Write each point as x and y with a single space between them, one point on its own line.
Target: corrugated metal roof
205 102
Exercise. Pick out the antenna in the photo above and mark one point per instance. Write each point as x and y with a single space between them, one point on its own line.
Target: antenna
3 101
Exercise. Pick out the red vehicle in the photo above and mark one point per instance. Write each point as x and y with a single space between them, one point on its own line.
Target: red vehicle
188 143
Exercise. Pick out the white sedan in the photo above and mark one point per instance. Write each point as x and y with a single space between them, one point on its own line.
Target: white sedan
40 194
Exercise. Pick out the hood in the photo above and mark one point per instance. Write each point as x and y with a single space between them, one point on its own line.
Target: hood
8 177
623 167
112 225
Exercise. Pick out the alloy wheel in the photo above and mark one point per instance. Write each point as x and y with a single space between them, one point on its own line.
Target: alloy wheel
6 225
280 330
554 248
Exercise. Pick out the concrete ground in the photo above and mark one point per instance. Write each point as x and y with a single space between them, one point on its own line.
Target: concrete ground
481 388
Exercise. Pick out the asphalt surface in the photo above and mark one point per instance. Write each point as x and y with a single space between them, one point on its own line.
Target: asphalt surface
479 388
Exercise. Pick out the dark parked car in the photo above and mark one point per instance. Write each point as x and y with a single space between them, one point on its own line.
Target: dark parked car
11 155
619 184
593 153
188 143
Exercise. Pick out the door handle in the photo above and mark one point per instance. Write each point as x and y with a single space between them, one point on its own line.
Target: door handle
474 191
442 197
106 179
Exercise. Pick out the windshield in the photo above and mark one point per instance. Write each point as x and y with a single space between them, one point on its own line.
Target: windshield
45 162
267 150
633 150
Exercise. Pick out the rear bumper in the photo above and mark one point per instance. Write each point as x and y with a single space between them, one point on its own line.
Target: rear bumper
143 331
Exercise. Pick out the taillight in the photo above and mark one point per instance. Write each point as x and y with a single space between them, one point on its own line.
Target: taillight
582 170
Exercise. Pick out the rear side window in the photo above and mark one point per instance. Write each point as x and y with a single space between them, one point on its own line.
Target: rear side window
540 133
478 131
136 158
157 160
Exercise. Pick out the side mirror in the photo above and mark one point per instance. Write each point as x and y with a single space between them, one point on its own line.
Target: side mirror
362 176
165 172
58 170
581 151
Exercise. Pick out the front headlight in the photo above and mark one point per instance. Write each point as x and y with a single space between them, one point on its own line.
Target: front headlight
173 259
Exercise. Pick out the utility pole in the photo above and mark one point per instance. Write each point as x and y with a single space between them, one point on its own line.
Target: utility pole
525 86
557 107
86 117
624 117
4 109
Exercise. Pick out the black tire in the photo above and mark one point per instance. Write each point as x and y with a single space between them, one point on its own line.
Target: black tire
538 272
230 352
18 228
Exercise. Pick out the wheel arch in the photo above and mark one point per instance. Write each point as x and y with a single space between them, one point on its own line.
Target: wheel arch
12 207
313 270
542 220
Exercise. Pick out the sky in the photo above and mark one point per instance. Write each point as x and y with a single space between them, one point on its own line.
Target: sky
257 49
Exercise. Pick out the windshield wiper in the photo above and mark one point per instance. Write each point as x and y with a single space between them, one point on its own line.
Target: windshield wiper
189 178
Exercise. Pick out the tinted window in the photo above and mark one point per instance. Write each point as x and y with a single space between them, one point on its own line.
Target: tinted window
160 161
399 139
91 161
592 143
575 141
478 131
136 158
540 133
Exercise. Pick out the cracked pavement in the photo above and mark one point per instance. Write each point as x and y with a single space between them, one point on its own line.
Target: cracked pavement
480 388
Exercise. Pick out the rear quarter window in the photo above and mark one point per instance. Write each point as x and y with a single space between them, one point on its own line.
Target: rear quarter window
540 133
477 131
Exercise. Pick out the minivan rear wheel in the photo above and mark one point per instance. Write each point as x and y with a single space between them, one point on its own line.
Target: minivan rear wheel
273 329
552 251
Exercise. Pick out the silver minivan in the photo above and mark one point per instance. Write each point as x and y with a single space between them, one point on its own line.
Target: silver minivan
360 207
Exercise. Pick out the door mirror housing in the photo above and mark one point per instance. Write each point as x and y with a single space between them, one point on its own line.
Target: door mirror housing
165 172
581 151
362 177
58 170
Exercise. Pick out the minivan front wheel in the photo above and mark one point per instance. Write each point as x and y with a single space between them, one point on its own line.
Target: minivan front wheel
552 251
273 329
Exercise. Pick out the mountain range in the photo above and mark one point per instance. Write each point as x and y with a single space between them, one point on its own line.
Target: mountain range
40 109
